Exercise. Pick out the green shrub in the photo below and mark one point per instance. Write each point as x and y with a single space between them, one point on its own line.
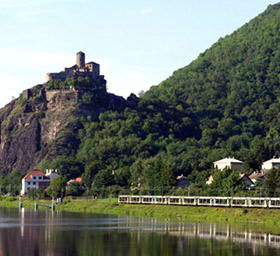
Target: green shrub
10 198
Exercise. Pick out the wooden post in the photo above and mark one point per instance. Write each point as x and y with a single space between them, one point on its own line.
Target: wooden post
20 202
35 206
53 206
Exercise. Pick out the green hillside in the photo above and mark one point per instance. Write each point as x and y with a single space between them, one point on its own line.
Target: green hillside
232 89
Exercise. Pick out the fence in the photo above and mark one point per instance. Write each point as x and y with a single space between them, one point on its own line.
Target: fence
244 202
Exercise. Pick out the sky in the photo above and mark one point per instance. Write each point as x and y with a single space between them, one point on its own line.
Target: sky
137 43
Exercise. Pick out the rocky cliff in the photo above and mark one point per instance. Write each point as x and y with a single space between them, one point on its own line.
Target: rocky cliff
44 121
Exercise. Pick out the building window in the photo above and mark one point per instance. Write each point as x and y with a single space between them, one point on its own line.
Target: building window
40 177
28 183
34 183
34 177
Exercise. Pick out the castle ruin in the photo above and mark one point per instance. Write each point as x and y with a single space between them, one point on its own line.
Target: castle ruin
62 96
81 69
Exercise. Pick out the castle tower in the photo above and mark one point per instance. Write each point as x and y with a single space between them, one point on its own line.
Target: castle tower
80 59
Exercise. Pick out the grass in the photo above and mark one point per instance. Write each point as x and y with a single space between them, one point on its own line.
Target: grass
268 218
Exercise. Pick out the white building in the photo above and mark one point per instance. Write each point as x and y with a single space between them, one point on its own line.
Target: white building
228 163
210 180
36 180
52 174
270 164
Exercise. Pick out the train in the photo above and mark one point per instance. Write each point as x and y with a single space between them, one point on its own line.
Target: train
243 202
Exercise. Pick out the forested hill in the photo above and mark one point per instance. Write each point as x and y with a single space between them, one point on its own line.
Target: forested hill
239 70
233 91
225 103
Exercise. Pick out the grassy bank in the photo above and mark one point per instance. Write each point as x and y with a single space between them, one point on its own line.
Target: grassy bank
269 218
12 202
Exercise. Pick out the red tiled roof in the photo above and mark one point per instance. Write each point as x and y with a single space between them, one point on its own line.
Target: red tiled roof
257 175
79 179
28 176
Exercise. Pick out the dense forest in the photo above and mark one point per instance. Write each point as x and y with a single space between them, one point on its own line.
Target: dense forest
225 103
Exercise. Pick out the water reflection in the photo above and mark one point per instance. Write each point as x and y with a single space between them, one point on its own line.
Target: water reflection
54 234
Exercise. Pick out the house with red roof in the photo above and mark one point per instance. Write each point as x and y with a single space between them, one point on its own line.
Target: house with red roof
37 180
258 175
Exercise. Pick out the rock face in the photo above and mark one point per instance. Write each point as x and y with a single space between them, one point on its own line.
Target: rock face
42 123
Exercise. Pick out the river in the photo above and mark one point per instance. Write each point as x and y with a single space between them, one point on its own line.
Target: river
25 232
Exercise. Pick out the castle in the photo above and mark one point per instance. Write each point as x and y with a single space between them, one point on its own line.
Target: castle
81 69
58 95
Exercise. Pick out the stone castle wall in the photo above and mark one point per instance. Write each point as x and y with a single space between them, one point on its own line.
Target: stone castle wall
26 94
81 69
61 98
80 59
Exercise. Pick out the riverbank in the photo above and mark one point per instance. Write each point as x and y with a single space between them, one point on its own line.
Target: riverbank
184 213
269 218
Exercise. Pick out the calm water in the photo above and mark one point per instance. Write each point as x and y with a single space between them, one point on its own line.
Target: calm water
43 233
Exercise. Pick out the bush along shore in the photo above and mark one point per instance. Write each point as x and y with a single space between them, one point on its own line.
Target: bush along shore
268 218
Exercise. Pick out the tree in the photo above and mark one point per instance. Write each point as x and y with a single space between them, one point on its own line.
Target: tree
13 182
154 175
272 183
34 193
141 93
67 166
103 179
225 183
91 169
57 187
75 189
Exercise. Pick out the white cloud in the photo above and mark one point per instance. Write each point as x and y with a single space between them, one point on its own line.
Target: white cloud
147 11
